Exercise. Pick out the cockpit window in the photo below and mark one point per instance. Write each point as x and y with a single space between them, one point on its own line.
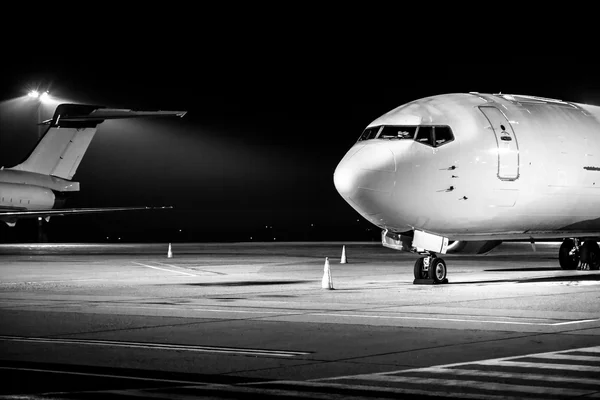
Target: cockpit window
434 136
425 135
443 134
369 133
398 132
429 135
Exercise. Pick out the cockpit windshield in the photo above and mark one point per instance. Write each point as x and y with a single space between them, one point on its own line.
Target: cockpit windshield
370 133
398 132
429 135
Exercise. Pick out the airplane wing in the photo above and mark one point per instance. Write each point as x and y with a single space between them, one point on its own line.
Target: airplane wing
10 216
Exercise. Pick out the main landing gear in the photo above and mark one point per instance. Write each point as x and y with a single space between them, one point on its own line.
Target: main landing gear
574 255
430 270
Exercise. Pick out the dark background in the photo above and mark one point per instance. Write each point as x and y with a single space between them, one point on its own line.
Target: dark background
275 97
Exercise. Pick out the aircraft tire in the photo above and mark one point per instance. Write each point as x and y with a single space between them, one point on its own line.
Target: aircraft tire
438 270
590 254
418 271
566 260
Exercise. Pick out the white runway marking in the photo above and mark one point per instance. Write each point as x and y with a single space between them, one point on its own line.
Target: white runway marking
531 387
575 322
554 356
492 378
100 375
385 391
492 361
204 310
540 365
459 320
158 346
200 270
304 313
511 375
207 391
53 281
587 350
163 269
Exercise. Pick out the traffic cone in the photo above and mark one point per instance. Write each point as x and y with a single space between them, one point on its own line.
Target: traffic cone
169 252
344 261
326 282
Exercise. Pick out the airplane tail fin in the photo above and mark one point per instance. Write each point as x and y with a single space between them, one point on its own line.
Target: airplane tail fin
69 134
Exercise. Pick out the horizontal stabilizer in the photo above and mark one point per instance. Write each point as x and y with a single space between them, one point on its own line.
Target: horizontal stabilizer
89 115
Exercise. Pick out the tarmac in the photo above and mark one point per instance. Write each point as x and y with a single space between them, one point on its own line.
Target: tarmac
252 319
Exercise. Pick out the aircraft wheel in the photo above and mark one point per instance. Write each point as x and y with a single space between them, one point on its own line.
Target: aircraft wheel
568 255
437 270
590 254
419 272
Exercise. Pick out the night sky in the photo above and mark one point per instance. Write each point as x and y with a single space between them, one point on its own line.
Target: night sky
271 111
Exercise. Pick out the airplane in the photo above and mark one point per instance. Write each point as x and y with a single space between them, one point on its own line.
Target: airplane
39 186
462 172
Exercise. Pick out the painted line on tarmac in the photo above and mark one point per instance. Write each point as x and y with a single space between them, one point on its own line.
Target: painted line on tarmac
508 361
512 363
522 376
510 375
54 281
576 322
54 371
163 269
202 309
569 357
300 312
461 384
202 270
308 388
459 320
158 346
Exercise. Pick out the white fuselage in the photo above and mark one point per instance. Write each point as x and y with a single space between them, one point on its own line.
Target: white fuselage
38 186
22 190
519 167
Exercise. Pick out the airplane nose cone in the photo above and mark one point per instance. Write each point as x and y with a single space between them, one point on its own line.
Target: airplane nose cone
345 180
366 177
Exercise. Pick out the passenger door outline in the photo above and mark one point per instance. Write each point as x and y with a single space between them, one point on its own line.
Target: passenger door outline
506 140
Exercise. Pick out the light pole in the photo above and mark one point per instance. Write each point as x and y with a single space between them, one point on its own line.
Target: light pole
41 98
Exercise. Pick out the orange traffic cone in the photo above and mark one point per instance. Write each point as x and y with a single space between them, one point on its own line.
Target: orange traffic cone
326 282
344 261
169 252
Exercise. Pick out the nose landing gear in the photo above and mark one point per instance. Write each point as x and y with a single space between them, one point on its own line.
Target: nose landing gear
430 270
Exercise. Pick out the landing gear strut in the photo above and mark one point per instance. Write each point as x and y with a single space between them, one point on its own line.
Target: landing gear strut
430 270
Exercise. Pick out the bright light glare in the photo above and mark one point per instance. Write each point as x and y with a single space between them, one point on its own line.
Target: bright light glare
45 97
